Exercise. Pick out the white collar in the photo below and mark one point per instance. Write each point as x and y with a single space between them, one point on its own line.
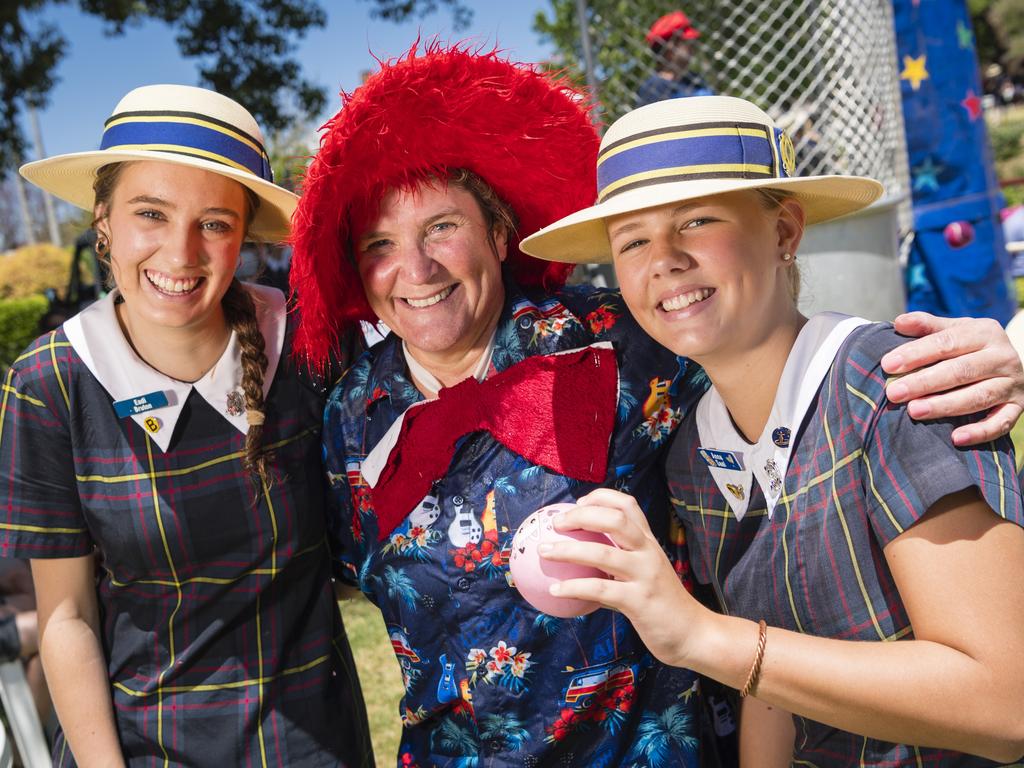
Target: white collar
429 380
96 336
767 460
376 460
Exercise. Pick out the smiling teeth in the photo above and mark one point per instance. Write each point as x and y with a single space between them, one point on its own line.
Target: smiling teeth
420 303
685 299
171 285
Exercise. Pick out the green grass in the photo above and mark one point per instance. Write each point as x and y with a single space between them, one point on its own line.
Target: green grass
379 675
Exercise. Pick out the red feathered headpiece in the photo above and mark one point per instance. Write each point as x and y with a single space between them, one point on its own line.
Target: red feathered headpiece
526 133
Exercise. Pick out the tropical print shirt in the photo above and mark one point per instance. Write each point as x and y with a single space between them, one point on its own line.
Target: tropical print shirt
488 679
861 472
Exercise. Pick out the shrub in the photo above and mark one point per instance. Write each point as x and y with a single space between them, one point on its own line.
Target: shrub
32 269
1006 139
19 324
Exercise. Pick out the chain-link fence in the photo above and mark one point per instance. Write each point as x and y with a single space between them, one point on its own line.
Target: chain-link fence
825 69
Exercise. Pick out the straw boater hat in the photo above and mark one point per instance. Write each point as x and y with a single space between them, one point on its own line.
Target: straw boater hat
681 149
182 125
526 133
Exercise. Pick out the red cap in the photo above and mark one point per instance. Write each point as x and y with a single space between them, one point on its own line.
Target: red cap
668 25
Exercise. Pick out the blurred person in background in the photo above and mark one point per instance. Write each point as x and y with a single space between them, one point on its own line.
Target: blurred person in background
671 39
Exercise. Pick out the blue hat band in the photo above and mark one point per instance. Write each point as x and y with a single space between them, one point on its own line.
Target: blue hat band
190 134
691 152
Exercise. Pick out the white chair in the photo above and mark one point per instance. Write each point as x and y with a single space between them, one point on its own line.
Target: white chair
22 719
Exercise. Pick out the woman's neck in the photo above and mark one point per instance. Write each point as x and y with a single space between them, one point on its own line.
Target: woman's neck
748 381
181 353
451 366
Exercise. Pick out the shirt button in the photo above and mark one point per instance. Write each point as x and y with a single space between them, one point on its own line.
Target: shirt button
463 583
525 323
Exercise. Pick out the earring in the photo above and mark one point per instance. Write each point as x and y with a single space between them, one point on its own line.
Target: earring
787 256
101 245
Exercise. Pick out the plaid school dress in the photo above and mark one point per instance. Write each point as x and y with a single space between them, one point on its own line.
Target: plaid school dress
860 473
223 639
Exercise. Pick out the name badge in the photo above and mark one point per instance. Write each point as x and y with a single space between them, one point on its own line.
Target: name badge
721 459
135 405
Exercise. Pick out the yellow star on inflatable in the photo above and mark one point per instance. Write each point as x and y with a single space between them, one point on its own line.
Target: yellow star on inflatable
914 71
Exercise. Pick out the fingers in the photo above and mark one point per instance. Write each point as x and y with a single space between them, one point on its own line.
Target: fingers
603 557
626 526
997 423
946 339
988 367
930 396
604 592
609 497
620 508
919 323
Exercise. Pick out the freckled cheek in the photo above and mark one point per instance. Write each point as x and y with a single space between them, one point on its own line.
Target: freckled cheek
224 260
633 284
377 278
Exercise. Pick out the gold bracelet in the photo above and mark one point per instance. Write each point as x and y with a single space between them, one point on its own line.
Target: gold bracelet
755 668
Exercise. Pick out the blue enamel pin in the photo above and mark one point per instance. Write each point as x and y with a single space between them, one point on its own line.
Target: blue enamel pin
136 405
721 459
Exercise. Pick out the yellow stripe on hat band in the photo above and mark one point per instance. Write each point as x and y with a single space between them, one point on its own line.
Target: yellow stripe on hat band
686 170
685 134
191 121
180 150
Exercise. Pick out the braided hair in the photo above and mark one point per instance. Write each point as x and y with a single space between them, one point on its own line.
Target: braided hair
240 313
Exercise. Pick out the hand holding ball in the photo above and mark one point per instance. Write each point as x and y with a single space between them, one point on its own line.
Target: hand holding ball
532 574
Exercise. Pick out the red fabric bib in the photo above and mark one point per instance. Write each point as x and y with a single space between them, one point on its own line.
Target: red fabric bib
557 411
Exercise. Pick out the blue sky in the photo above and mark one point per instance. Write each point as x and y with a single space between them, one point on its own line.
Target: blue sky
98 70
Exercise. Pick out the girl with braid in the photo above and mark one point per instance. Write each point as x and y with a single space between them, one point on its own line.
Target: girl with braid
166 429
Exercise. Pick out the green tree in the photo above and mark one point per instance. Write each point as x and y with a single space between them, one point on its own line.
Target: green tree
1007 20
623 60
620 56
402 10
244 48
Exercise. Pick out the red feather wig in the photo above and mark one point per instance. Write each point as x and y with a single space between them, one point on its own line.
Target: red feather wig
528 134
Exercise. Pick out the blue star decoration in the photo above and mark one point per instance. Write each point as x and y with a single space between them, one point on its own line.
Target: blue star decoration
964 36
926 175
917 277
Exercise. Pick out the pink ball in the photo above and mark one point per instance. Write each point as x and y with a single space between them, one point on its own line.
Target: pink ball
532 574
959 233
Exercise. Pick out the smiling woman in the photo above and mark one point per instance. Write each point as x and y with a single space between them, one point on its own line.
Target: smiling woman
859 559
142 431
431 267
171 236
